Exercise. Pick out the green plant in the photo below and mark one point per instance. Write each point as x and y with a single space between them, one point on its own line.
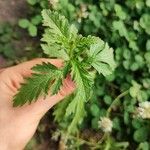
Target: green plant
125 26
80 54
31 26
32 23
6 44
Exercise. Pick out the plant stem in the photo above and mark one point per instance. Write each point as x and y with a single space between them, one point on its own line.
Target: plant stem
115 101
109 111
106 135
94 145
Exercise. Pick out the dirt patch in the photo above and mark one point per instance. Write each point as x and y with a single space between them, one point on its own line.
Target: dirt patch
11 10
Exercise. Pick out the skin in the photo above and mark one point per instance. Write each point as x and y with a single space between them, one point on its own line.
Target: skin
17 125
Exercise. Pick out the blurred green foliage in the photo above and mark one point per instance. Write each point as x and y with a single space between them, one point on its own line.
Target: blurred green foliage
125 25
6 36
34 20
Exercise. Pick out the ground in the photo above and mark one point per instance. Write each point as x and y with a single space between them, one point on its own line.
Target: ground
11 10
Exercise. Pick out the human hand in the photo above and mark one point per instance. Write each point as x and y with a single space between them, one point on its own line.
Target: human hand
17 125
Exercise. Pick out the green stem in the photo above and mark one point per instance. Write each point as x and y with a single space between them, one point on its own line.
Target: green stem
107 146
116 101
106 135
109 111
103 138
122 144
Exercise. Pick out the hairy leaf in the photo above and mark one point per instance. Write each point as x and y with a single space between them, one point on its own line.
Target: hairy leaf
45 76
84 85
58 25
37 85
85 42
102 58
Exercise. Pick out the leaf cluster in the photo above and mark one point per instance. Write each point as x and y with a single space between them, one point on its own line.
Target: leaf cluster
125 26
82 56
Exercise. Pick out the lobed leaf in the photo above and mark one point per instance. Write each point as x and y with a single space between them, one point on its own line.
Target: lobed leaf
102 58
39 84
34 86
58 25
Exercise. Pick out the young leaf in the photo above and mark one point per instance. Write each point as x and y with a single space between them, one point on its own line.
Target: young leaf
83 80
56 36
84 83
58 25
79 114
84 42
102 58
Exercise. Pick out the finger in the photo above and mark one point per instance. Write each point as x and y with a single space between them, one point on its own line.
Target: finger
25 68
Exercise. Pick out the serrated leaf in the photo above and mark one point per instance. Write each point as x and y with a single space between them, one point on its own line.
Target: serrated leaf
57 36
80 55
83 80
66 69
60 108
35 86
84 83
44 67
58 24
84 42
54 51
79 113
56 87
102 58
45 76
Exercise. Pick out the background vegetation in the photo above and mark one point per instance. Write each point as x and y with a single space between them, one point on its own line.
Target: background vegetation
125 25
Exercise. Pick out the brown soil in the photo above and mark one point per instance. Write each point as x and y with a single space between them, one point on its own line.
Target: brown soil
11 10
